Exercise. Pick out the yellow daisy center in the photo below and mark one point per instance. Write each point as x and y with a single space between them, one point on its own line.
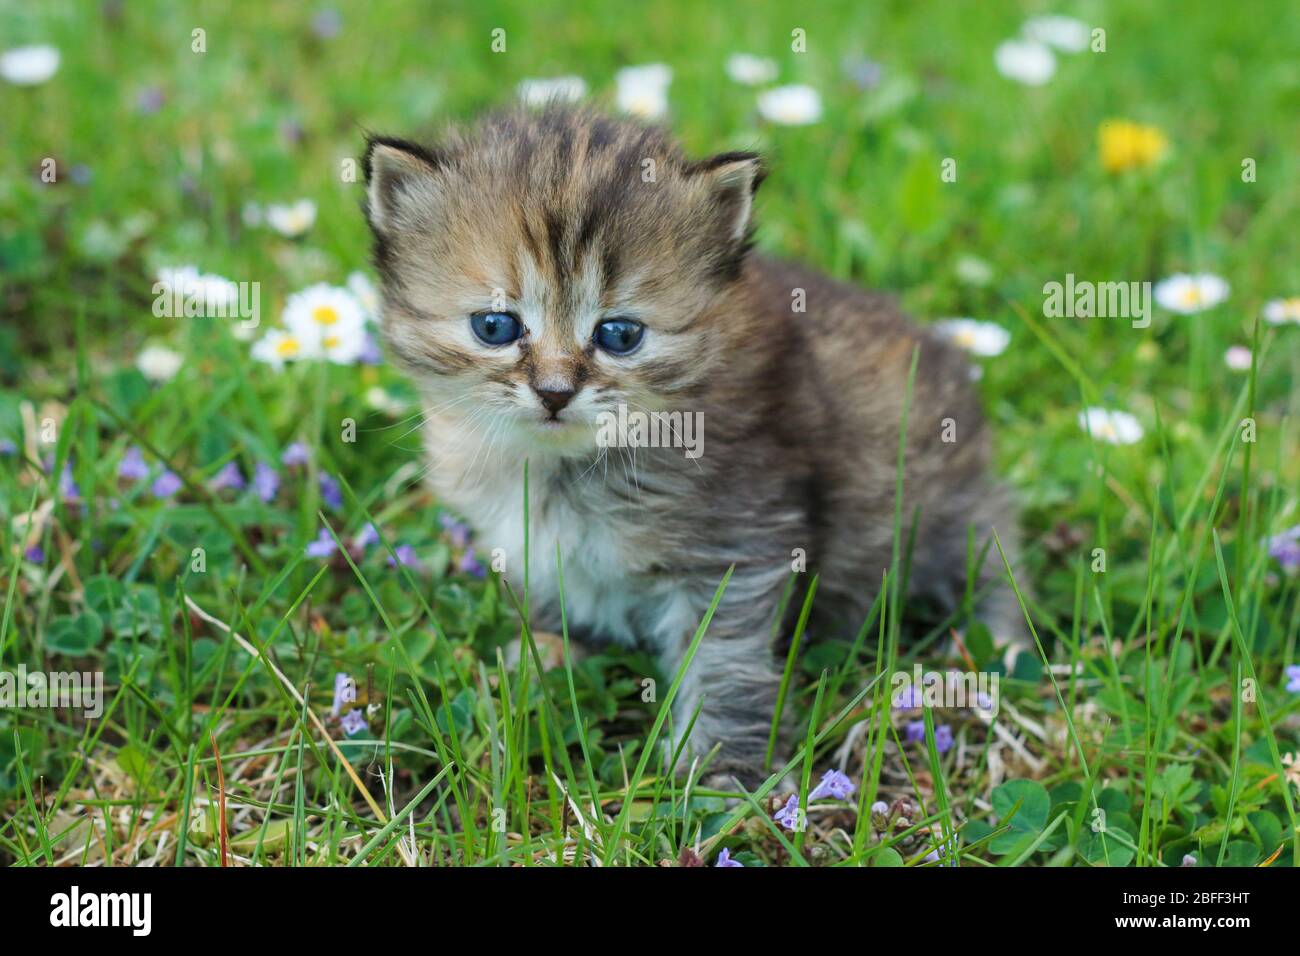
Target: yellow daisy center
1191 295
287 346
331 341
325 314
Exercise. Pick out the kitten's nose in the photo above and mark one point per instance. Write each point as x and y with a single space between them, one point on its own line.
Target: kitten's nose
554 399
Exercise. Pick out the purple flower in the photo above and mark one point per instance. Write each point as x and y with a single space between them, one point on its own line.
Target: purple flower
330 491
7 447
326 24
371 353
35 554
353 722
296 454
345 692
908 698
725 860
228 477
323 546
292 131
863 73
835 785
790 816
149 100
458 530
366 536
405 557
1285 548
68 489
166 484
950 846
1293 679
469 564
265 481
132 467
943 738
914 732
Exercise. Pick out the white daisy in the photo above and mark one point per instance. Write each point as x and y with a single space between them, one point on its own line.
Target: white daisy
328 322
1238 358
973 270
29 65
158 363
1116 428
291 219
643 90
1280 311
1188 294
751 70
364 291
563 89
277 347
178 278
795 105
343 345
218 291
216 294
1065 33
384 401
1025 61
978 338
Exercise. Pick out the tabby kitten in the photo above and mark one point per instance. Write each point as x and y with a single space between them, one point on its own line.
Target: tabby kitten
547 270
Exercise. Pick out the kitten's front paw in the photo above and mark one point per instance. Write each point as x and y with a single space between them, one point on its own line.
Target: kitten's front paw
733 781
732 765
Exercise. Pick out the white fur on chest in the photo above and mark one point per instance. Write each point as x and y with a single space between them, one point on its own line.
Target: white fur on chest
600 595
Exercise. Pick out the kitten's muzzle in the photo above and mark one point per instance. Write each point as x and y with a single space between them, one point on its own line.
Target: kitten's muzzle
555 399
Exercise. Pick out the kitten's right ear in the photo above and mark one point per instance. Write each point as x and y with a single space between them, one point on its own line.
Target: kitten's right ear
401 182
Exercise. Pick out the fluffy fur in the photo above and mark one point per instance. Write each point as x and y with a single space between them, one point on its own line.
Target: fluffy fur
552 216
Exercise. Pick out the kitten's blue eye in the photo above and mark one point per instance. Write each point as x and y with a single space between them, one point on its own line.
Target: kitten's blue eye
619 336
495 328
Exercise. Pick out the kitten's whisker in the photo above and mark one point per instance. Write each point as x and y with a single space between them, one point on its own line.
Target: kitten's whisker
471 428
425 414
591 469
487 447
676 433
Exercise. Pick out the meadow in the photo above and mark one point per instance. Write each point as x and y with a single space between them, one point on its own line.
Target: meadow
306 660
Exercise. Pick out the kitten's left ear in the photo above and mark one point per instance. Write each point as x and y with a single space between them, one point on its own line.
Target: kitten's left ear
732 179
401 182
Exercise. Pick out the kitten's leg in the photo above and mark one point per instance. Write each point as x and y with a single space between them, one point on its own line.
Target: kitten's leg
733 681
998 607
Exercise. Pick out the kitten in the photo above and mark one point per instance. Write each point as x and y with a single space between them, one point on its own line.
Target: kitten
548 271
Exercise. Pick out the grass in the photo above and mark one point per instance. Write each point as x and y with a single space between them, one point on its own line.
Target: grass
1150 721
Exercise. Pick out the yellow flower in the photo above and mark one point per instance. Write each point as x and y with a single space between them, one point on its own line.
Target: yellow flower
1126 145
325 314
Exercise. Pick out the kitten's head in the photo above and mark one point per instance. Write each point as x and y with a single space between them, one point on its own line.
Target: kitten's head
549 266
